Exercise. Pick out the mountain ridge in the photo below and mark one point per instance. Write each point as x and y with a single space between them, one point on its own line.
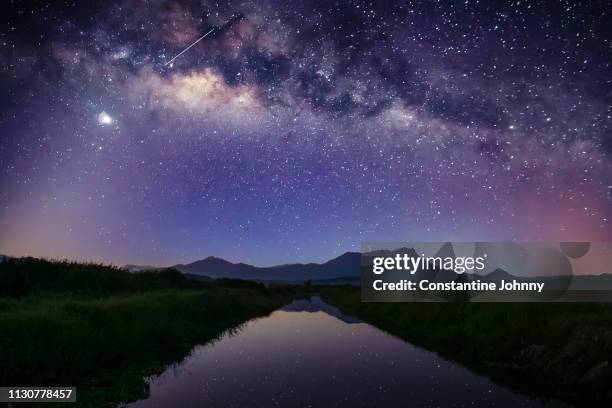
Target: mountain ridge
346 268
347 264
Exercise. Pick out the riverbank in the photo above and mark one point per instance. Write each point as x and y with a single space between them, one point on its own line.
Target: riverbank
556 350
104 330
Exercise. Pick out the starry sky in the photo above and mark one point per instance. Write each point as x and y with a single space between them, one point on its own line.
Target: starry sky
302 130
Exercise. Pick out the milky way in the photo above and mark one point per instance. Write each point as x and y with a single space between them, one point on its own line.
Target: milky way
302 130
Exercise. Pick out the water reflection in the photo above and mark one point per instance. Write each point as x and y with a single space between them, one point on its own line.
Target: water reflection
308 354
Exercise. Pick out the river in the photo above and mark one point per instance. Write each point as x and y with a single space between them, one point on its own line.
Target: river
308 354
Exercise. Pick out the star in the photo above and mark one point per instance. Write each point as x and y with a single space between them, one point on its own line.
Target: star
104 119
297 131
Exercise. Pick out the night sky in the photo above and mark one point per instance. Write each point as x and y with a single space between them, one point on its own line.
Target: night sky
302 130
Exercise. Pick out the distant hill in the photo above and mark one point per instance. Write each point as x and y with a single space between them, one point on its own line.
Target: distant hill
346 270
346 265
141 268
214 267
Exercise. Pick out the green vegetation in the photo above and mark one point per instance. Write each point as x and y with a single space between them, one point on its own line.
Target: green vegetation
546 349
103 329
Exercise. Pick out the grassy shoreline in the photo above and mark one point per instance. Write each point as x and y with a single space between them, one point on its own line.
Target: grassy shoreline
105 330
546 350
111 329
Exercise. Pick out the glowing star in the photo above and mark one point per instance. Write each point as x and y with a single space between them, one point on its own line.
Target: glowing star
105 119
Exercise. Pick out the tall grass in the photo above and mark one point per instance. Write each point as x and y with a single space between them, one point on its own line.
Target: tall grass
103 329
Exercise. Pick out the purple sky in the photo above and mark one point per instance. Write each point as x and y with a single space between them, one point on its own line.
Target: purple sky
301 131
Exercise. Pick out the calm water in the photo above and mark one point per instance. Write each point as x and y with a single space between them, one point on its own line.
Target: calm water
309 354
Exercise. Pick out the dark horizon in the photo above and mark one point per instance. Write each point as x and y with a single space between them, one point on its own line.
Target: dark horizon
594 261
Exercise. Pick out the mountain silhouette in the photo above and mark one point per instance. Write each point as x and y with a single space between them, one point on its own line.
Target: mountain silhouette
445 251
346 269
346 265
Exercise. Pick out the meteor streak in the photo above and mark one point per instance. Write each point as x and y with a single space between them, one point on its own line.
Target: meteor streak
235 18
192 44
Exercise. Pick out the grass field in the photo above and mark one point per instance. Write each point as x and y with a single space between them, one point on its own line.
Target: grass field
103 329
546 349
